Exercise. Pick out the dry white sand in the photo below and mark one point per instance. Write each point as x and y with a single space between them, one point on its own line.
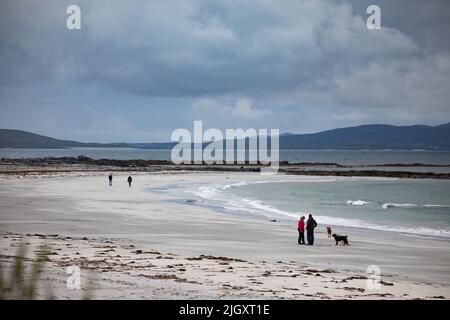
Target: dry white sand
274 265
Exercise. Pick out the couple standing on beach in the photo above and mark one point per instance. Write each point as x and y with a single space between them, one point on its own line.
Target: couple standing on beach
311 224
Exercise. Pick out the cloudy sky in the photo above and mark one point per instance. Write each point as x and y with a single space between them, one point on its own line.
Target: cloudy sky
139 69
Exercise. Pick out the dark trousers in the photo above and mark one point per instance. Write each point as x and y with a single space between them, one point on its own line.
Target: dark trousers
310 237
301 237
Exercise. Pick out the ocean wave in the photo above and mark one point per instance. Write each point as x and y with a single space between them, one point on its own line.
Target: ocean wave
246 183
260 208
231 185
399 205
356 223
437 205
413 205
357 202
233 203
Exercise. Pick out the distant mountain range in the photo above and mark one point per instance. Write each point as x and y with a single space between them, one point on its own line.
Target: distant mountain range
24 139
374 136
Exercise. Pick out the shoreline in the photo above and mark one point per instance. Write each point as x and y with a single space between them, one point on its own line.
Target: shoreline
80 205
39 166
343 228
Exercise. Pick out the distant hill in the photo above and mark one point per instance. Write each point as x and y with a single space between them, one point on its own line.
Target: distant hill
374 136
23 139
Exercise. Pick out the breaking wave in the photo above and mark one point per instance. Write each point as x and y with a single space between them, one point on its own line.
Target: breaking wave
357 202
233 203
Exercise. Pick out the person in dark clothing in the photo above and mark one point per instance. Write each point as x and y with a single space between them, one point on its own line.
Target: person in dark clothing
301 230
130 179
311 224
110 180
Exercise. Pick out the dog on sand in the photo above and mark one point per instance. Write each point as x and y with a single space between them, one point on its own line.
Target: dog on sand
339 238
329 232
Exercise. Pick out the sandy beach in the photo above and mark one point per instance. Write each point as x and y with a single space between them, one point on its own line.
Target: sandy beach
142 242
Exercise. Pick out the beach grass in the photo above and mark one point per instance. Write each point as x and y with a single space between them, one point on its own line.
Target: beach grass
20 282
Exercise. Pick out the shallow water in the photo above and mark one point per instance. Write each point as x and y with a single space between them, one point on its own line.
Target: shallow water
418 207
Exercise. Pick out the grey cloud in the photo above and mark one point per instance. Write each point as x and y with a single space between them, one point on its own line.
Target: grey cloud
186 48
292 57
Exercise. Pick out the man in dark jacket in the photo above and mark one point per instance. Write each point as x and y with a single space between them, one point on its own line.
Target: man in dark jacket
310 225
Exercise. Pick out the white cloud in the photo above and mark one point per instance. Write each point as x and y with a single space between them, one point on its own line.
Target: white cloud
242 109
207 105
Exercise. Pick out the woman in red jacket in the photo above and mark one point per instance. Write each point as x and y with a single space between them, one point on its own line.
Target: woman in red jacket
301 230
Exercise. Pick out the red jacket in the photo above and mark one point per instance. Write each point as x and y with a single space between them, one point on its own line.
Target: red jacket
301 225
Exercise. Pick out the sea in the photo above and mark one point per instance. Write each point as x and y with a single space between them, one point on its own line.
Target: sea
417 207
407 206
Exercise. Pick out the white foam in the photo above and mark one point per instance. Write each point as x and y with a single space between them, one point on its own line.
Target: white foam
357 202
399 205
437 205
413 205
246 183
231 185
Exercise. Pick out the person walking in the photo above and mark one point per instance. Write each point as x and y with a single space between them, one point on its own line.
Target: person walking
311 224
110 180
301 230
130 179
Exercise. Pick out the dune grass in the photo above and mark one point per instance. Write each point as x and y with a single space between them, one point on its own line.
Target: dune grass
23 279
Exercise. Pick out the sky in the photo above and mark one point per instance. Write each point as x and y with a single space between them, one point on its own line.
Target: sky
137 70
